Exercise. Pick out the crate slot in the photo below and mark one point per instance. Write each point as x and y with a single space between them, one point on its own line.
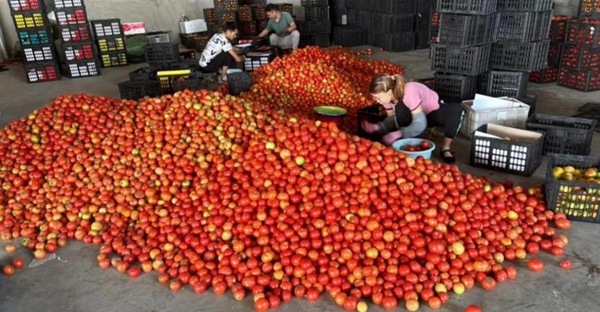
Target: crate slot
39 53
520 56
467 30
456 60
40 72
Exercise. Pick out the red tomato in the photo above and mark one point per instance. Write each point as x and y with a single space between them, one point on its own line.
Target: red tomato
565 264
488 283
18 263
535 265
8 270
473 308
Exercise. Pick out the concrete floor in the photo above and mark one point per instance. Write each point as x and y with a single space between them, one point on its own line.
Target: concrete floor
74 282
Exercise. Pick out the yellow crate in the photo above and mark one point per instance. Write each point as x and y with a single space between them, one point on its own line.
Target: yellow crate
111 44
167 77
29 20
113 59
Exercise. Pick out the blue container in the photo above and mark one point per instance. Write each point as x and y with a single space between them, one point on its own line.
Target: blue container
400 144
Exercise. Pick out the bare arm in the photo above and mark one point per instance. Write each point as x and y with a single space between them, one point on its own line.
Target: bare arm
292 27
264 33
235 56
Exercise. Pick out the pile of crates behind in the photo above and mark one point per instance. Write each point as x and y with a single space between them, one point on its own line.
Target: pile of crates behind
315 29
580 63
110 40
40 60
558 31
462 48
77 44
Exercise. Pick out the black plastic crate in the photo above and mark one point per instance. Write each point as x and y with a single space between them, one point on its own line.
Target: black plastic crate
481 7
546 75
314 3
396 42
584 32
144 73
579 200
520 56
26 5
564 135
33 37
595 115
71 16
396 6
110 44
40 72
162 52
322 40
525 5
137 89
504 83
188 84
224 17
456 60
107 28
227 5
352 17
531 100
364 18
589 8
521 155
555 50
338 14
317 13
388 23
60 4
80 69
314 27
467 30
455 88
422 40
558 27
585 80
239 82
41 53
373 113
30 20
77 33
580 57
83 51
112 59
523 26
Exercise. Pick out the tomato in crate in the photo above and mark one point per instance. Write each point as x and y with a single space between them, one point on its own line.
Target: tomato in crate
558 27
546 75
583 32
583 79
578 56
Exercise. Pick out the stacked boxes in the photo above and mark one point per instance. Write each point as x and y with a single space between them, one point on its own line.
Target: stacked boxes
580 63
315 30
33 30
558 31
79 49
110 42
522 33
462 47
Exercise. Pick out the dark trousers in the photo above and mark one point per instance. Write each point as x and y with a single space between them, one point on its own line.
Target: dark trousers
449 116
222 59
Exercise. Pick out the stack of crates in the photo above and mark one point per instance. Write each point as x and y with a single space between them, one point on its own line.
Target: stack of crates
463 47
77 44
558 31
388 24
522 47
110 41
315 30
345 33
580 63
423 16
33 30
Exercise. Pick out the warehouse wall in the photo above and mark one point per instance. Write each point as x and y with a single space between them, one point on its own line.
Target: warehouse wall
165 14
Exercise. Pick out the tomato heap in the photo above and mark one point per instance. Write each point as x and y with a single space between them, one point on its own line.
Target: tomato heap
215 191
310 77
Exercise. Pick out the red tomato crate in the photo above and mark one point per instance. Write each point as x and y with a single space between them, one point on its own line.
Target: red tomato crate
555 53
40 72
77 33
546 75
26 5
585 80
71 16
558 27
589 8
79 51
584 32
579 200
580 57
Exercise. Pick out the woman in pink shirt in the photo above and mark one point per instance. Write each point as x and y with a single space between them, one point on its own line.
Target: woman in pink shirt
420 108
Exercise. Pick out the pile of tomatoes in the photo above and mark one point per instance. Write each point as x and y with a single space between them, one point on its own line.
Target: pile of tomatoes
310 77
214 191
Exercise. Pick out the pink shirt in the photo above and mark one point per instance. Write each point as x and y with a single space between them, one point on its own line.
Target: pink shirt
416 94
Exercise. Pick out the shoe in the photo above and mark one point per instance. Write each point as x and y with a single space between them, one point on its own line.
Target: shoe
447 156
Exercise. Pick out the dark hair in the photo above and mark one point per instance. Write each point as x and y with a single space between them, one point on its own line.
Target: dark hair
271 7
231 26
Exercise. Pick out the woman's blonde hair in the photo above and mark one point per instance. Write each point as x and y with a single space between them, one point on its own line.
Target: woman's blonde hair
384 83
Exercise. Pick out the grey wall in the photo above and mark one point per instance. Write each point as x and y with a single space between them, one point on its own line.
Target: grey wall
165 14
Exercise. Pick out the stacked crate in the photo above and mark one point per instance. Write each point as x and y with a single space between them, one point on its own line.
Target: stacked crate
463 47
558 30
33 30
388 24
315 30
345 31
110 41
580 63
77 44
522 47
423 17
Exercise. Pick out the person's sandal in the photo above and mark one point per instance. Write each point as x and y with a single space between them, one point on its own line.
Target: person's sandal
447 156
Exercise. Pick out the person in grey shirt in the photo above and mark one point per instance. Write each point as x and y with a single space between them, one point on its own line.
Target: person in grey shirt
285 34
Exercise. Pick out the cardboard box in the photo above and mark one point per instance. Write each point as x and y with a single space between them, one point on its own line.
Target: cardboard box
134 28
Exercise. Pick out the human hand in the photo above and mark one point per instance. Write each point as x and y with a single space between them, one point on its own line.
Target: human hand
369 127
392 137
